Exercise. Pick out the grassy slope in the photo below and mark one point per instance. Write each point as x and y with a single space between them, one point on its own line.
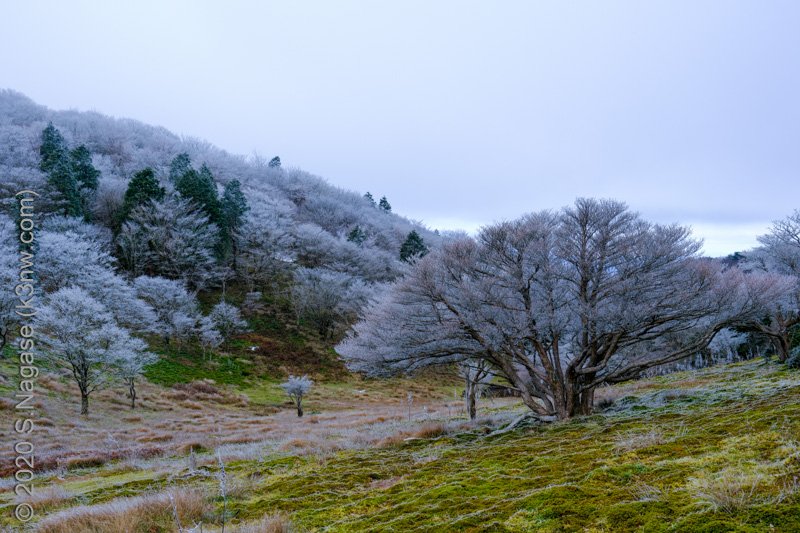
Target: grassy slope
584 475
665 440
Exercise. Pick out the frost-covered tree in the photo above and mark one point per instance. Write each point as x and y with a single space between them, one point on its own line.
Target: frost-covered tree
129 364
295 389
266 244
328 299
779 255
558 304
83 337
413 246
368 196
9 277
384 204
170 239
72 254
207 334
99 237
66 258
228 322
275 162
108 200
176 309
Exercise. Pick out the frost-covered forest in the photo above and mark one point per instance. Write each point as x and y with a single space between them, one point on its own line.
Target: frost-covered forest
134 222
181 285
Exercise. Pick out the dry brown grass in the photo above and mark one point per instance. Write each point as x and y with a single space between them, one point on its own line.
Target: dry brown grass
142 513
48 498
209 417
189 404
429 430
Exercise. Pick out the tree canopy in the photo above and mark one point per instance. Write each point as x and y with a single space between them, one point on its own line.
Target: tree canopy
557 304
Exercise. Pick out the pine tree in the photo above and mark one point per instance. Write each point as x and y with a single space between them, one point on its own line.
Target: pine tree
414 246
85 172
142 189
52 149
357 236
62 181
233 206
199 187
56 161
179 166
370 199
86 177
384 204
275 162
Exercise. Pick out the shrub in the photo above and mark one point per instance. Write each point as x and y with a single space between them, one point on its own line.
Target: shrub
48 498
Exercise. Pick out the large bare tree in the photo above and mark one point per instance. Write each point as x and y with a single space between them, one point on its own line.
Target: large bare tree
779 255
558 304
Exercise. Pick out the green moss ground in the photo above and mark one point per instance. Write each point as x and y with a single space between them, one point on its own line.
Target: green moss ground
636 467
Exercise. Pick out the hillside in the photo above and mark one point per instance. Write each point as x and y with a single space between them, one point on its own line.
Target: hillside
297 257
706 451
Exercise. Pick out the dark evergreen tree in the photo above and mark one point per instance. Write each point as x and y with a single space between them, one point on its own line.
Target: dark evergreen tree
86 176
414 246
85 173
142 189
357 236
53 148
384 204
199 187
370 199
56 161
275 162
233 206
179 166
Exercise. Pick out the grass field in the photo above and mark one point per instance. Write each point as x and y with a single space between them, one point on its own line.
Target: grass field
709 451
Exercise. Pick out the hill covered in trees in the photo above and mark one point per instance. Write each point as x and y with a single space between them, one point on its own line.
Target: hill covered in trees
154 227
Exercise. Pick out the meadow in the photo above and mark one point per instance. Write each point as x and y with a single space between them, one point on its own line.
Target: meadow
711 450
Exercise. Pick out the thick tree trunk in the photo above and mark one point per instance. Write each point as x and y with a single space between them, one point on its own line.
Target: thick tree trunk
84 404
299 410
782 346
574 403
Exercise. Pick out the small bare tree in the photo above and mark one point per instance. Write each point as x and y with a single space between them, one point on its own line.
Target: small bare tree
130 363
228 322
295 389
476 374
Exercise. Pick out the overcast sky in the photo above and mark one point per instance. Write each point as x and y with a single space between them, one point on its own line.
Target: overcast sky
461 113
